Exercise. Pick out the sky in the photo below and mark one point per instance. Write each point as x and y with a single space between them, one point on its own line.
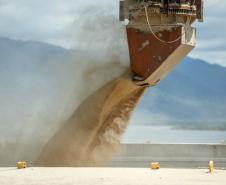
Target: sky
51 21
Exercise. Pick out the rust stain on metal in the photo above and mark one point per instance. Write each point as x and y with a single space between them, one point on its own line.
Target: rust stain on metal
150 56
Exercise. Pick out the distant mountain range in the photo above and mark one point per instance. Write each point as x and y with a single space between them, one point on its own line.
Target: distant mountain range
193 95
194 92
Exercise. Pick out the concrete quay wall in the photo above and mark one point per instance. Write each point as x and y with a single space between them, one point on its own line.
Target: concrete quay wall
170 155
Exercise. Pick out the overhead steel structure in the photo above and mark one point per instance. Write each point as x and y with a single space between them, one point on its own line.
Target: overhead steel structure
159 34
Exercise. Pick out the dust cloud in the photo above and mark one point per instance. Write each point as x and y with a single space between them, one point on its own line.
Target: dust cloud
106 96
91 136
85 102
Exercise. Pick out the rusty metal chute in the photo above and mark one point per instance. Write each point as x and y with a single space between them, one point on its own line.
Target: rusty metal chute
159 35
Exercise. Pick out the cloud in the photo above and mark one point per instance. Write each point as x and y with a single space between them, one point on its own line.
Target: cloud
46 21
211 35
50 21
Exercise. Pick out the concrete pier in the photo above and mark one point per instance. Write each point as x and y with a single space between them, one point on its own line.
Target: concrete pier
110 176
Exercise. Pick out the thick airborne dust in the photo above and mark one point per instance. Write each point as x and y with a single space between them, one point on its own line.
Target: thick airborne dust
91 136
74 105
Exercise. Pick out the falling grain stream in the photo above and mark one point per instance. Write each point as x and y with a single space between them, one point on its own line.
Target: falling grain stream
92 134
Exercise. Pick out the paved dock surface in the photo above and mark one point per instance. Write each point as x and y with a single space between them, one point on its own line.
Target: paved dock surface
110 176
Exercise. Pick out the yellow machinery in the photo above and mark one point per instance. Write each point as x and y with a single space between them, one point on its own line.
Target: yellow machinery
21 165
155 166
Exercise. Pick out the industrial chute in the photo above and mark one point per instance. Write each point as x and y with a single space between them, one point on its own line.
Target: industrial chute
159 35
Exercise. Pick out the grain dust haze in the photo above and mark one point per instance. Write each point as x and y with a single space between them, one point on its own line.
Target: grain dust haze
84 124
108 96
91 136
